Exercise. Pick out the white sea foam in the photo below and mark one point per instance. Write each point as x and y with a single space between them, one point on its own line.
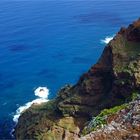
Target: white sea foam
42 93
107 39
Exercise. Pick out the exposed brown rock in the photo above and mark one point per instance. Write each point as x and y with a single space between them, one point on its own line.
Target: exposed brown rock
133 32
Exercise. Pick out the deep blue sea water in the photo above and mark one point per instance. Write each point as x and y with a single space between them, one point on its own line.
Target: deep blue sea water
51 43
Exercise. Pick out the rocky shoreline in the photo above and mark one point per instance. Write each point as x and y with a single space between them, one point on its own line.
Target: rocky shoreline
113 81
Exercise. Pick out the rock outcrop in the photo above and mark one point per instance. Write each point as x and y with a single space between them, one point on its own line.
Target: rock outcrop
110 82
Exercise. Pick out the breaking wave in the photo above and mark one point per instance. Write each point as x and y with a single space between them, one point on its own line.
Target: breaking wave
42 93
107 39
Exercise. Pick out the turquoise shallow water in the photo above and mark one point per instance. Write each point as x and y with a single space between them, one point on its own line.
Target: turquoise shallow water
51 43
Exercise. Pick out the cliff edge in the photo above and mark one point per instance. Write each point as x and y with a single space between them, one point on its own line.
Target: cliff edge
94 107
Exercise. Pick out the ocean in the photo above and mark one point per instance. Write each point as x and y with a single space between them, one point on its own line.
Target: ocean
51 43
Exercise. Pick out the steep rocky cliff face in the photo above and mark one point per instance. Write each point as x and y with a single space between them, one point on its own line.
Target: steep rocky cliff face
112 81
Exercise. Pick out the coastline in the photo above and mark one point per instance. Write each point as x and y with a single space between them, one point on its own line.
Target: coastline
111 82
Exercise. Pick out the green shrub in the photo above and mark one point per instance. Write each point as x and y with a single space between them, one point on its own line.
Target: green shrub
100 120
107 112
135 95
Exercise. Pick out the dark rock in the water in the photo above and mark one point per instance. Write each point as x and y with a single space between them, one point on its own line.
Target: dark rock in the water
22 47
106 17
110 82
17 48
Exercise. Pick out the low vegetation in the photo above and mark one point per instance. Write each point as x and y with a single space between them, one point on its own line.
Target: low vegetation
100 120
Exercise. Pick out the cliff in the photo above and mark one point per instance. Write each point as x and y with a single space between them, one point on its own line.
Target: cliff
94 107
